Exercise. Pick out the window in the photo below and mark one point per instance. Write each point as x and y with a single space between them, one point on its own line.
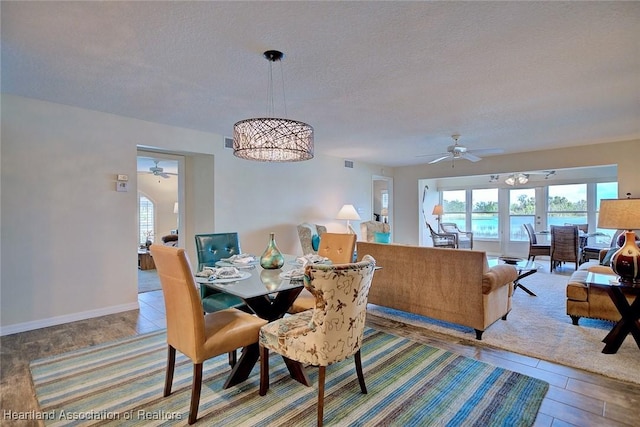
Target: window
454 206
485 213
146 219
567 204
604 190
522 210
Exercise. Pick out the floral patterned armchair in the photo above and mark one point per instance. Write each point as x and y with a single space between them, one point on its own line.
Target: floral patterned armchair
332 331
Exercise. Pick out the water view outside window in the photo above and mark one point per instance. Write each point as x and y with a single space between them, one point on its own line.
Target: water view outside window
567 204
522 210
146 220
484 213
454 205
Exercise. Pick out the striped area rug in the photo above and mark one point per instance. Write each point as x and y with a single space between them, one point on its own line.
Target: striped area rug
409 384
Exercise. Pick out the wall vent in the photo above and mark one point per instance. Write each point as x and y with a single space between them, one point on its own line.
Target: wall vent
228 142
348 164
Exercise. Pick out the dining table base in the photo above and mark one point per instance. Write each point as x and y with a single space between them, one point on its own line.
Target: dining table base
269 309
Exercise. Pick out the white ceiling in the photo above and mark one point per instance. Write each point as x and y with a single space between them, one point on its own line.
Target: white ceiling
381 82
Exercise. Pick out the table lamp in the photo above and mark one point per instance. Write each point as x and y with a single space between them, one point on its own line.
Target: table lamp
438 211
623 214
348 212
384 213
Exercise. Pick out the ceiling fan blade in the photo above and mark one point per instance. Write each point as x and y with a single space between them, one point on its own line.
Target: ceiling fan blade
164 175
486 151
439 159
471 157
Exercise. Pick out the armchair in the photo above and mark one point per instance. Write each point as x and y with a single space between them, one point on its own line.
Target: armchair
464 239
310 234
370 228
442 240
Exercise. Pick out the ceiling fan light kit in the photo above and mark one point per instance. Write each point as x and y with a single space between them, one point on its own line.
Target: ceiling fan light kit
517 179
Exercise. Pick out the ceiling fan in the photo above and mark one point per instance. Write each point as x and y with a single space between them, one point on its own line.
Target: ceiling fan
158 171
457 151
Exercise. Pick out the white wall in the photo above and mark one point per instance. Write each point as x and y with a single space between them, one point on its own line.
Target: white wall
68 236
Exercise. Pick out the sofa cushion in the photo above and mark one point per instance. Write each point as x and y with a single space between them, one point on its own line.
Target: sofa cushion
577 289
315 242
607 258
381 237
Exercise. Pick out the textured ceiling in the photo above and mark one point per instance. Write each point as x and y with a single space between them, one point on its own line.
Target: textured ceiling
381 82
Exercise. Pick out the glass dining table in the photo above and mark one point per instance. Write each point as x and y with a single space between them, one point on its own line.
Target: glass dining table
269 295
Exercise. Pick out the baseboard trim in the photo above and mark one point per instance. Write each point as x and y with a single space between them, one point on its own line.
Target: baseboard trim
59 320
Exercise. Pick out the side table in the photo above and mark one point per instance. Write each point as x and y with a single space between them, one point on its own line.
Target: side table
630 321
145 260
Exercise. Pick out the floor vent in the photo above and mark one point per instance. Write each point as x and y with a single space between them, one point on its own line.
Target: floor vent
228 142
348 164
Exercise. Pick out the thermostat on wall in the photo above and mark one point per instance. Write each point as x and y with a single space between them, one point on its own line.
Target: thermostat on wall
122 186
123 178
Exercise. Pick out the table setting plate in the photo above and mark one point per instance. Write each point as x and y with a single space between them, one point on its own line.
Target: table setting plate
243 275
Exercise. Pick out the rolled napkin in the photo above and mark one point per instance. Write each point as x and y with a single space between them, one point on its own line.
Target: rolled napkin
292 274
240 259
220 273
312 259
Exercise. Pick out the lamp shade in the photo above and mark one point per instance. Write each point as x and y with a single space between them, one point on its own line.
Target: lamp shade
623 214
384 212
437 210
619 214
348 212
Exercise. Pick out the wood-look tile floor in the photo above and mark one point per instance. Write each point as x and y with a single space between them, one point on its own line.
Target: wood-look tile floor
575 397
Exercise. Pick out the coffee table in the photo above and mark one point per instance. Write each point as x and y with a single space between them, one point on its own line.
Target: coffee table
525 268
630 321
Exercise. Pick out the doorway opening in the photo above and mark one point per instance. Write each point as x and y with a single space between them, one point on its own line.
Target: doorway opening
159 183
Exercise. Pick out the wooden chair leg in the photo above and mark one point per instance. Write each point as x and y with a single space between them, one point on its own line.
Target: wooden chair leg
196 387
171 363
358 361
321 376
264 370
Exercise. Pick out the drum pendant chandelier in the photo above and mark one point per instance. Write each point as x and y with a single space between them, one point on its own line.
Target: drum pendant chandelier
270 139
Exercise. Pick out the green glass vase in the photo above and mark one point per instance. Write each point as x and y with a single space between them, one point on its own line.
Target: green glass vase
272 257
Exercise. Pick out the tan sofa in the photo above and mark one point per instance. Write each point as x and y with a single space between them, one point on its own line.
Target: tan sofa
455 286
584 301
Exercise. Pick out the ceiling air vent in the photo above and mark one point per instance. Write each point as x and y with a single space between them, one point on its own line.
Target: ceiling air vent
348 164
228 142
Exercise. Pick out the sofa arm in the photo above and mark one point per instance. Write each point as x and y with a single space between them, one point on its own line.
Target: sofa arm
498 276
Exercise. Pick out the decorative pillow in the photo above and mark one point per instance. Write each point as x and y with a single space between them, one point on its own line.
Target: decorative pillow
382 237
315 242
607 258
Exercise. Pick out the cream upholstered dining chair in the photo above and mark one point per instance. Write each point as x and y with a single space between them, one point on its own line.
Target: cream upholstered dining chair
309 235
331 332
339 248
198 336
369 229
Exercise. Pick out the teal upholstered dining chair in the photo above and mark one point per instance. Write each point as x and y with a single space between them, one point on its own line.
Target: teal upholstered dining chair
210 249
